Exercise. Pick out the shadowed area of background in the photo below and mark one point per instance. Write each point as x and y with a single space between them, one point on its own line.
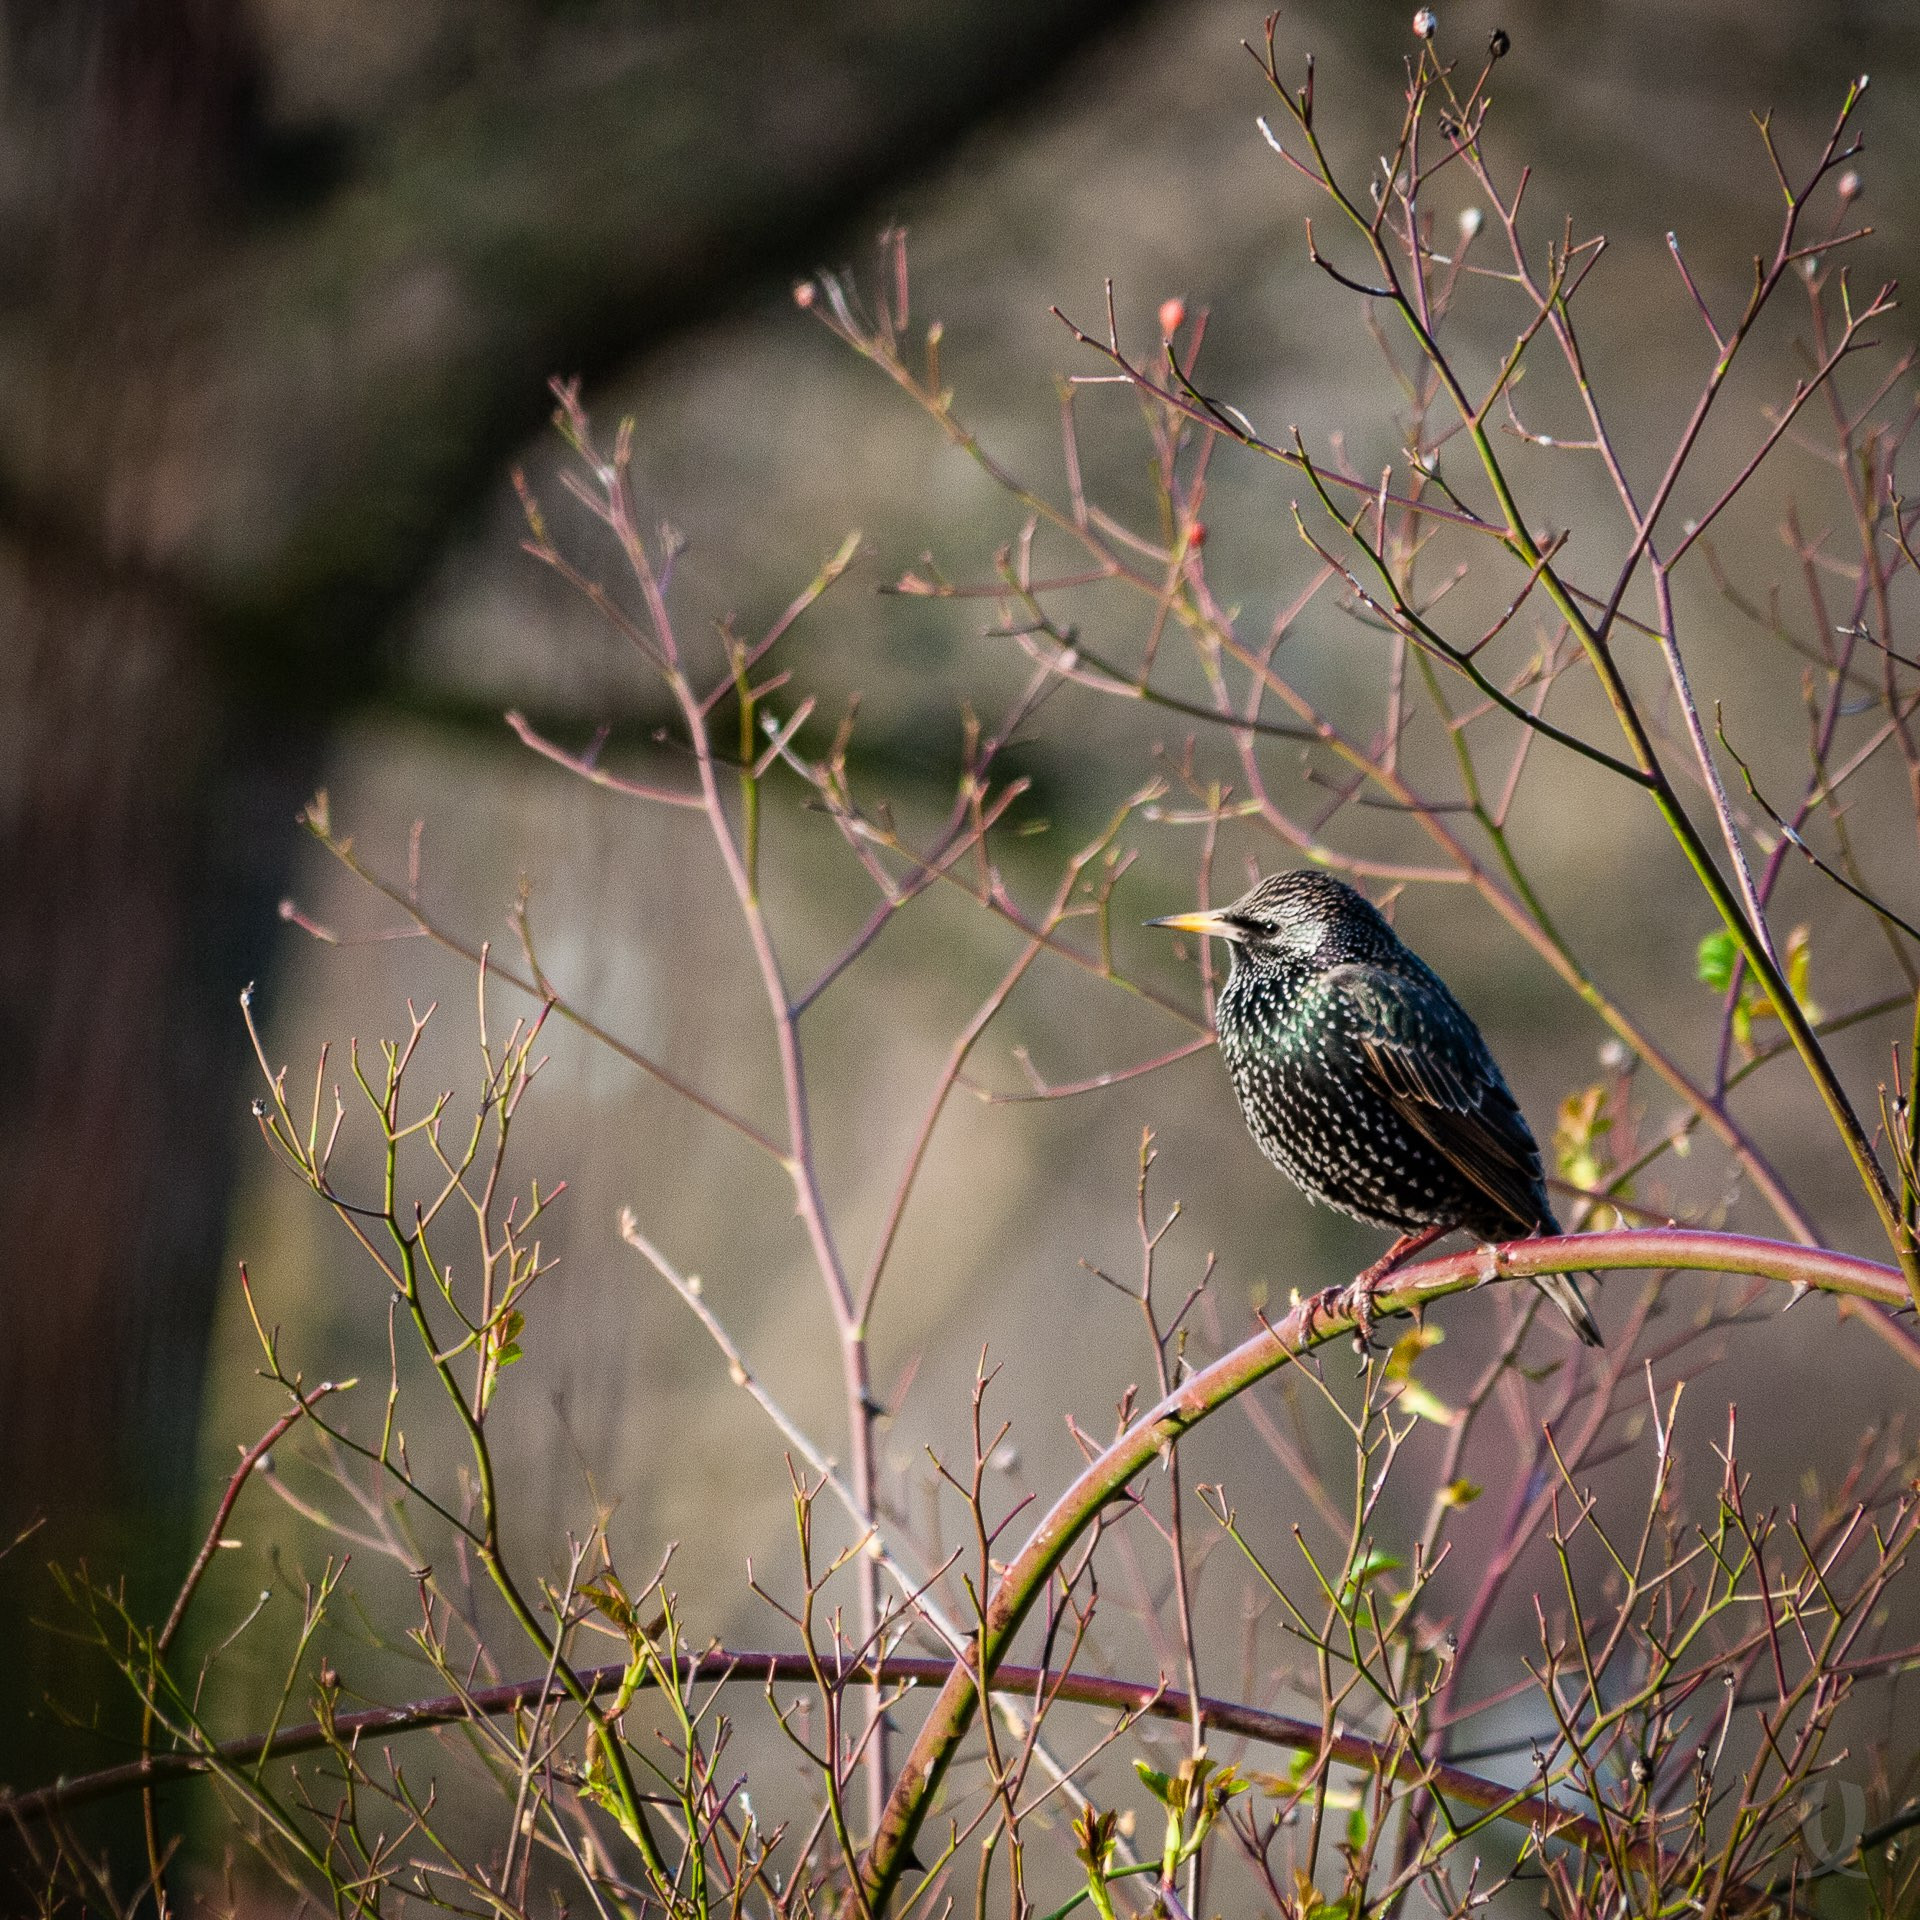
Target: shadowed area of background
283 294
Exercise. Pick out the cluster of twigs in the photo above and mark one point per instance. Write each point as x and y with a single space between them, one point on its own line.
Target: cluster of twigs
1695 1666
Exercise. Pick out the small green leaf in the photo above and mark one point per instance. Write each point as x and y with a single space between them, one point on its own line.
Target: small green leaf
1369 1567
510 1349
1409 1347
1800 970
1714 960
1308 1901
1717 958
596 1786
1158 1784
610 1598
1227 1782
502 1348
1413 1397
1579 1138
1460 1493
1756 1004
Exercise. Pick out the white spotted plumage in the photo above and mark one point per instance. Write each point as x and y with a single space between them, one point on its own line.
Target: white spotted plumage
1364 1080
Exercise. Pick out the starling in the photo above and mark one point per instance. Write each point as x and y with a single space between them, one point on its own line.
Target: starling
1364 1080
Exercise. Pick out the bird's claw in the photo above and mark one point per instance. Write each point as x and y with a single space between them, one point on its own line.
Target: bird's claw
1358 1301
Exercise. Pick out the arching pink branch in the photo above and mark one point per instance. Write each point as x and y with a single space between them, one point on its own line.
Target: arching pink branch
1310 1324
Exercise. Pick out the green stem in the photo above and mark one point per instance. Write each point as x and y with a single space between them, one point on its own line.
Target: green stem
627 1810
1519 541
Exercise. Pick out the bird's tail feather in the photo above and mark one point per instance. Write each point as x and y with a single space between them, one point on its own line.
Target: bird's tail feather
1564 1291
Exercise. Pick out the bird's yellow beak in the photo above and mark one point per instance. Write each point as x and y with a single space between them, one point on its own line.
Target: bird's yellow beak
1217 924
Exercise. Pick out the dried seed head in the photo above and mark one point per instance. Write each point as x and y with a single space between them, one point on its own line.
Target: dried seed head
1850 184
1471 221
1424 23
1498 45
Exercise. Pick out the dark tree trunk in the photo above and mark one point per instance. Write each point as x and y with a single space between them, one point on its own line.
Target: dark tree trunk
128 904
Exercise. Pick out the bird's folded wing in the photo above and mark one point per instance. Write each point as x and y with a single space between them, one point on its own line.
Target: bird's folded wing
1430 1062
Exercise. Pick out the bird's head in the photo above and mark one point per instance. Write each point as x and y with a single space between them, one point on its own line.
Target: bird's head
1302 916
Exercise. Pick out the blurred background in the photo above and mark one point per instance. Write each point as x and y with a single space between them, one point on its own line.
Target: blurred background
285 284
